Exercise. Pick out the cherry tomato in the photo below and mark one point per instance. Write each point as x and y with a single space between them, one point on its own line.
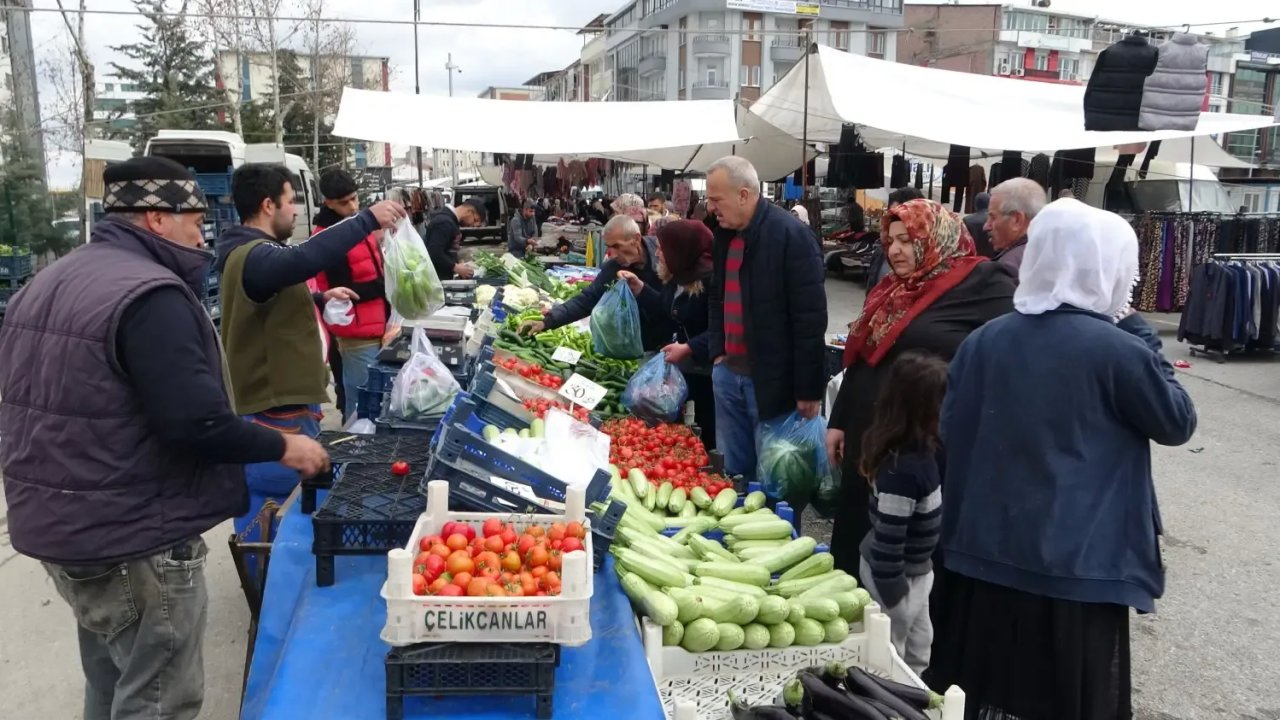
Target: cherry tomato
400 467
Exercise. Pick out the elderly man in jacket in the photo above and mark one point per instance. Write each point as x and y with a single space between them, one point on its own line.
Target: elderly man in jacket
768 313
1014 204
121 447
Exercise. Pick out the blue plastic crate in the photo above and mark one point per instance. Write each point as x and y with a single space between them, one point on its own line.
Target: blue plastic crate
221 214
482 384
16 267
468 462
369 402
604 526
382 376
214 184
5 294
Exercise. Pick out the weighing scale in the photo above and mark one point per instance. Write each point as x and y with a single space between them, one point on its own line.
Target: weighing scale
459 292
447 334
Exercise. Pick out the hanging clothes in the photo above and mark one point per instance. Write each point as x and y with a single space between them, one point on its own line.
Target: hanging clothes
1038 170
900 174
1010 165
977 184
920 176
955 174
1232 305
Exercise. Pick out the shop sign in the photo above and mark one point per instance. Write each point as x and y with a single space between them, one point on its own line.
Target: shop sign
783 7
480 620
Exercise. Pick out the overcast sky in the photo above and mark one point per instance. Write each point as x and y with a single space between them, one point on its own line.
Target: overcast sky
509 56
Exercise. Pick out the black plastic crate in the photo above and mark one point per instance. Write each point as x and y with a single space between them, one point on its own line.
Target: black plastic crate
835 360
472 669
367 512
381 376
603 527
347 447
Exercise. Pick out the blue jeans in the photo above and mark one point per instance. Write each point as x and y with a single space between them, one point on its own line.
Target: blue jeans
736 420
355 373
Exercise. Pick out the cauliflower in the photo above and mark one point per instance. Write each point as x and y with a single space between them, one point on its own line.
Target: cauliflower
484 295
518 297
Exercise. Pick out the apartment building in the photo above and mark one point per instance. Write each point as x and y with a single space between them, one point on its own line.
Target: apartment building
251 75
111 98
734 49
597 71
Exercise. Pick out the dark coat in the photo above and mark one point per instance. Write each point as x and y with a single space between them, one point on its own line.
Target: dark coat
986 294
1113 98
688 315
784 308
441 237
655 330
977 225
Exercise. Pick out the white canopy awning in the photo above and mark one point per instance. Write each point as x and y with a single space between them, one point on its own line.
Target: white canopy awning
538 128
931 109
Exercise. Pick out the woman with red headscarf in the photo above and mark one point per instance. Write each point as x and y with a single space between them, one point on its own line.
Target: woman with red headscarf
684 264
938 291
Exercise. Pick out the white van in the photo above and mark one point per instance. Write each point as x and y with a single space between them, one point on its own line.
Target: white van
219 152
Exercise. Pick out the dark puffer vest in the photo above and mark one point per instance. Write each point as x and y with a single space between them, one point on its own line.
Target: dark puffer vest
85 478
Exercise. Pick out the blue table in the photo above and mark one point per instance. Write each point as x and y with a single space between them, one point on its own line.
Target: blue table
318 654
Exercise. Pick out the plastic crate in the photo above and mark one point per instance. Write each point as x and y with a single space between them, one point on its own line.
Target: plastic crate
564 619
369 402
367 512
484 386
382 376
693 685
835 361
344 447
16 267
491 479
214 185
604 526
465 669
782 510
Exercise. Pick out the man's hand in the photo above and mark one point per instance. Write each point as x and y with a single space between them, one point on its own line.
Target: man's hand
531 327
388 213
341 293
835 447
633 282
304 455
463 270
808 409
677 352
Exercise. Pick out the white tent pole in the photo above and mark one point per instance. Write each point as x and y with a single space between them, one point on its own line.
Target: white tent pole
1191 180
804 138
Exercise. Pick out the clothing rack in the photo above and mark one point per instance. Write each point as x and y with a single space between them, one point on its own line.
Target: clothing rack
1172 244
1233 305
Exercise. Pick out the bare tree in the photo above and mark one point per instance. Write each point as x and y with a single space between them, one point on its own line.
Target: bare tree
327 48
268 34
76 100
226 29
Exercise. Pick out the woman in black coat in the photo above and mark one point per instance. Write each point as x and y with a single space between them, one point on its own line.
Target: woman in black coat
937 292
684 264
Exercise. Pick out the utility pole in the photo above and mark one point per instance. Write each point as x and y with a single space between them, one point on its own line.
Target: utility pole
417 75
453 157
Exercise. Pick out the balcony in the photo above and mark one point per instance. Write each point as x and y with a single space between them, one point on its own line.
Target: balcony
710 91
786 50
654 64
709 45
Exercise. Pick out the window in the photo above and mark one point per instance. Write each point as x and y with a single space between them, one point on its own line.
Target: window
751 25
1069 69
1215 84
683 27
1011 62
109 87
749 75
876 44
1042 61
840 38
712 72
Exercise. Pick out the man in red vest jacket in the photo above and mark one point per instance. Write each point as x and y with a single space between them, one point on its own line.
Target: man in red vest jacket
360 340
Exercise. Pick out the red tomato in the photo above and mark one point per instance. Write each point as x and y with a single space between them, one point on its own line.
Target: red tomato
456 541
435 566
420 562
400 467
487 560
525 543
557 531
537 557
494 590
419 584
492 526
467 530
555 560
427 541
440 550
451 591
571 544
436 585
536 530
476 588
459 562
493 543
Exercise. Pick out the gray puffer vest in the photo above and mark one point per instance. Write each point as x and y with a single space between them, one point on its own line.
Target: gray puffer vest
1173 95
85 478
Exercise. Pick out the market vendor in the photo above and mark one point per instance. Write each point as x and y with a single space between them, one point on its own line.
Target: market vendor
269 321
120 444
522 231
627 250
443 237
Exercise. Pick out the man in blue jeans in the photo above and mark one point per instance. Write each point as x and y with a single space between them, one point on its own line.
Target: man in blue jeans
768 313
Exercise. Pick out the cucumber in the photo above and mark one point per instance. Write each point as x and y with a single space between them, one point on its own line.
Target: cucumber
763 529
677 500
731 636
711 550
673 633
815 564
731 586
639 483
745 573
754 501
781 635
658 573
660 608
724 502
664 494
491 432
821 609
700 498
795 587
790 554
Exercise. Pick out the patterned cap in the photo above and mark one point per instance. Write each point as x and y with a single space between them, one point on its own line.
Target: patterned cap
151 183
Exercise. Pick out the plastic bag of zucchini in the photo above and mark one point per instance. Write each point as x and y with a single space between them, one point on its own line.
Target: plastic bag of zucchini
424 388
657 391
412 285
615 324
791 457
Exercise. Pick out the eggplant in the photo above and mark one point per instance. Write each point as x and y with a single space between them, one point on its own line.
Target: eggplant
741 711
888 711
826 673
793 695
861 682
818 698
919 698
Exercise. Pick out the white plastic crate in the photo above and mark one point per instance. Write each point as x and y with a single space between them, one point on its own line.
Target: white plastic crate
695 686
564 619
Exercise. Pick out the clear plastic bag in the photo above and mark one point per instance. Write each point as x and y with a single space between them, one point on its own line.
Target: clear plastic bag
339 312
414 289
791 457
657 391
424 388
615 324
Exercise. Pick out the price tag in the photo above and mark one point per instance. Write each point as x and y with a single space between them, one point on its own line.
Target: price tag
566 355
582 391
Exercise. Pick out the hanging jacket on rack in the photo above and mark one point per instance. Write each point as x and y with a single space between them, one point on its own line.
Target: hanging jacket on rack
1038 170
1173 93
920 176
977 184
955 174
900 175
1010 165
1113 97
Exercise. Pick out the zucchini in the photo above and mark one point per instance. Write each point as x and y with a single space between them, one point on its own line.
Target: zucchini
694 526
664 494
835 631
673 633
821 609
755 636
724 502
701 635
651 500
781 635
795 587
637 509
635 586
731 636
795 611
763 529
656 555
753 554
815 564
736 511
688 606
732 521
537 428
754 501
839 583
660 608
740 545
524 433
745 573
682 522
639 483
658 573
677 500
809 632
850 606
700 498
672 548
731 586
773 609
789 554
491 432
689 510
711 550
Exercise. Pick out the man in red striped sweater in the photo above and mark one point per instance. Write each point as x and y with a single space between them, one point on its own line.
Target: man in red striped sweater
768 313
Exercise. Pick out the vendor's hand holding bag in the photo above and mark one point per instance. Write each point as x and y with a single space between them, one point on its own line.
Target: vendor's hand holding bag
424 388
657 391
792 460
412 286
615 324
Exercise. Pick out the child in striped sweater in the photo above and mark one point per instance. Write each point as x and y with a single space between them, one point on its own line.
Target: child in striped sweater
898 456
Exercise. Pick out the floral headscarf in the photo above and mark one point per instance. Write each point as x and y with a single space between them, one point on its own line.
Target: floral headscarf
631 205
944 257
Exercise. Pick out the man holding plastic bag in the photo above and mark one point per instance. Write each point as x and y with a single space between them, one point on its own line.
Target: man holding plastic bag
274 350
628 252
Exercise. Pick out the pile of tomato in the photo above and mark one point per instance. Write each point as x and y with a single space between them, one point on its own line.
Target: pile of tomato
538 407
532 371
666 452
497 561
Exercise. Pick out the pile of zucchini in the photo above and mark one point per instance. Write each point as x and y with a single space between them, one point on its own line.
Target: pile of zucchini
757 588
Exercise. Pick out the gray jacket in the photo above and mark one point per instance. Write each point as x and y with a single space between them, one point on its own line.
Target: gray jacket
1173 94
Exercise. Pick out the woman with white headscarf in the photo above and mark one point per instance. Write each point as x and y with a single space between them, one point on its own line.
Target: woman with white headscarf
1049 523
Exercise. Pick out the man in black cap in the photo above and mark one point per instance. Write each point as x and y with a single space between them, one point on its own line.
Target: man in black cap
443 237
120 445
